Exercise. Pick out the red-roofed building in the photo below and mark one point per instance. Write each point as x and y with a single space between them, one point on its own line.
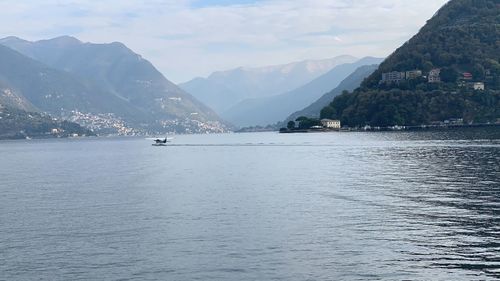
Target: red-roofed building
467 76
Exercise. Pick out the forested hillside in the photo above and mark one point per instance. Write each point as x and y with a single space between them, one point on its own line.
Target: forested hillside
450 69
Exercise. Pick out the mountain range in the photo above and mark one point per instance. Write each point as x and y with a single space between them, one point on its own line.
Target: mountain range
66 77
224 89
272 109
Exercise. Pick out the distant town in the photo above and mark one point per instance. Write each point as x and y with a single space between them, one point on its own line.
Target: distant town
110 124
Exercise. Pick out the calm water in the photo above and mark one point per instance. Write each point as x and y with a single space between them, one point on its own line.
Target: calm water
339 206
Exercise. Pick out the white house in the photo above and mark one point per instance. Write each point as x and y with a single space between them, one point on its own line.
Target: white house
330 124
479 86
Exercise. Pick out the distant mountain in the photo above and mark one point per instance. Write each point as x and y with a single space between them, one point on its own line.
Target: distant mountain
224 89
268 110
107 78
458 49
20 124
352 82
217 96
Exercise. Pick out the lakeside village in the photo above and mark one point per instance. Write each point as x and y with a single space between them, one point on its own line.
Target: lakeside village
306 125
108 124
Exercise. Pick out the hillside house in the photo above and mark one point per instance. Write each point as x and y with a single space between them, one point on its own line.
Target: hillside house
467 76
396 76
478 86
434 76
413 74
393 77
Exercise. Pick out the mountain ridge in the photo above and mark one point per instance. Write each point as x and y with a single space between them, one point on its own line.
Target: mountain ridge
274 109
224 89
310 64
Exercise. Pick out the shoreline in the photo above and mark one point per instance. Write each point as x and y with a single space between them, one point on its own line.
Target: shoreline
395 128
301 131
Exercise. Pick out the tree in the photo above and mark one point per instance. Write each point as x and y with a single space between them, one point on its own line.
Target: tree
290 125
307 123
478 71
448 75
328 112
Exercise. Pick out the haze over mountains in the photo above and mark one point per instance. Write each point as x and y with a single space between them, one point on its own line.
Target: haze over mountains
111 89
350 83
224 89
272 109
85 82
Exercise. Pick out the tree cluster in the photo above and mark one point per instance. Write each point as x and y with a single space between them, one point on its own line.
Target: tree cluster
412 108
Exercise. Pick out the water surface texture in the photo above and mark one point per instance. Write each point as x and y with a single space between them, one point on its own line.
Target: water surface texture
264 206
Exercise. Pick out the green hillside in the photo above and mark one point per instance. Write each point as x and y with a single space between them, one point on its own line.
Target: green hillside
450 69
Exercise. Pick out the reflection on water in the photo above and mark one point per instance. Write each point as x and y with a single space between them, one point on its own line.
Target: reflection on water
340 206
458 190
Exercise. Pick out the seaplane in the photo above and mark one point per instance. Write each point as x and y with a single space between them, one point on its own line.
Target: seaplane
160 142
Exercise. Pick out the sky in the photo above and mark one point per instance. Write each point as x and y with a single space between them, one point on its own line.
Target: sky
193 38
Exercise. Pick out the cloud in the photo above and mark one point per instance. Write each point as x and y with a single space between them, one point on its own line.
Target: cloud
193 38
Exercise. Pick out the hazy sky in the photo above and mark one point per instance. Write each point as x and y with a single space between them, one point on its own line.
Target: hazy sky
188 38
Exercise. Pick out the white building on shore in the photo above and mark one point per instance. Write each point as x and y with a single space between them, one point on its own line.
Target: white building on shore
331 124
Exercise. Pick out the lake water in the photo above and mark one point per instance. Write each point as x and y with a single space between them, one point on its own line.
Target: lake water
263 206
